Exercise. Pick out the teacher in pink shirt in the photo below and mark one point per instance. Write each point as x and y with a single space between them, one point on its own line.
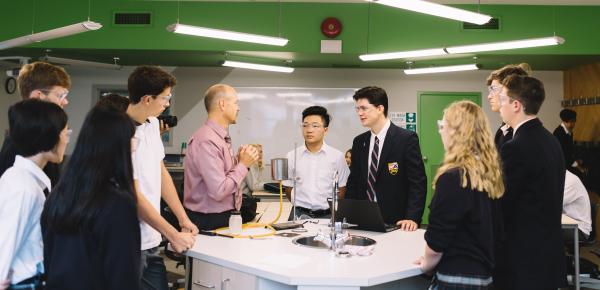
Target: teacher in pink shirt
213 173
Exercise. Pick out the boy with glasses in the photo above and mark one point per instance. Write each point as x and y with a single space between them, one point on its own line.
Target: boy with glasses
494 83
46 82
150 92
316 167
534 176
386 167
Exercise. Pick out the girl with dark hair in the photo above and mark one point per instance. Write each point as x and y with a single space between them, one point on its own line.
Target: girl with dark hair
38 131
89 224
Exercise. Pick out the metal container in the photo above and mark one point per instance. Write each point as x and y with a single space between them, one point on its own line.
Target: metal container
279 169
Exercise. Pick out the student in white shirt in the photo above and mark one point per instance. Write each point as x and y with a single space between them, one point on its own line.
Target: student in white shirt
316 167
150 93
576 203
38 129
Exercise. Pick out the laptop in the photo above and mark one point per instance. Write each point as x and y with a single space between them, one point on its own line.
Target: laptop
363 213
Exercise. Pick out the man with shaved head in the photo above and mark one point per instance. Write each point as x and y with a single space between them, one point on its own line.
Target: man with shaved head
213 173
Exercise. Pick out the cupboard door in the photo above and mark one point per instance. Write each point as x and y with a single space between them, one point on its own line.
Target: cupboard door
206 276
235 280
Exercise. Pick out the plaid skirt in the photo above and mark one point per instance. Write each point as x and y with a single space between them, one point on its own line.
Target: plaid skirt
442 281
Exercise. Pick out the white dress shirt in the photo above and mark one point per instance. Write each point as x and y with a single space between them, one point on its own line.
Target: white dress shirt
315 175
576 203
21 203
381 137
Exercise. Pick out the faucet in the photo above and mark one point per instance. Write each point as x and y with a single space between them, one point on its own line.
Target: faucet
335 227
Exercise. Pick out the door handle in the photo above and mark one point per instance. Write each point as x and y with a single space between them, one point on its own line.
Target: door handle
424 158
199 283
223 283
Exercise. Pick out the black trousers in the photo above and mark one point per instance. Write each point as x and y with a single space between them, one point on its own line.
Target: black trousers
209 221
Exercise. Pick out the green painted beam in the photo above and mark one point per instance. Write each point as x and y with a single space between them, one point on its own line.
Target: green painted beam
366 28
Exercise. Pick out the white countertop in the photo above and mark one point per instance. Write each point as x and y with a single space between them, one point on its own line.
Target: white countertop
277 258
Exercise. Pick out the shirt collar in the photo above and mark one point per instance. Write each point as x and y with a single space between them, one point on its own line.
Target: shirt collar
520 124
34 170
565 127
383 131
324 148
504 129
217 128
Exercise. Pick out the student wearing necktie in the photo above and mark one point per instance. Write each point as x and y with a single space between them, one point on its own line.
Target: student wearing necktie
386 165
534 175
213 172
39 130
494 83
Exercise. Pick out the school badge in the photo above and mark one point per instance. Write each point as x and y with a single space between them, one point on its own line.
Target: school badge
393 168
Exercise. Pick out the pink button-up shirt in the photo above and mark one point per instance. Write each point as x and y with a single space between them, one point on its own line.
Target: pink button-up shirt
212 173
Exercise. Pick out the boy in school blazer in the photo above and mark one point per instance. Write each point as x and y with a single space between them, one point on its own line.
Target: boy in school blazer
398 184
532 256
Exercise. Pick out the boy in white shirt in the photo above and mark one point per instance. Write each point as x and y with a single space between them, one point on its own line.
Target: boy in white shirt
316 166
150 94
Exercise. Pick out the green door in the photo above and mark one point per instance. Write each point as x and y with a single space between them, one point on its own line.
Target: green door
430 108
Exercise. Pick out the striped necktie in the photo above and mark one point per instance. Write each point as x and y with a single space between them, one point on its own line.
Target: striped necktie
373 171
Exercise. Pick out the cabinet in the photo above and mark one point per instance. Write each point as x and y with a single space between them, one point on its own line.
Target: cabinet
210 276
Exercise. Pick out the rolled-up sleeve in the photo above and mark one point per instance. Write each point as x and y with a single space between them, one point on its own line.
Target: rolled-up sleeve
220 183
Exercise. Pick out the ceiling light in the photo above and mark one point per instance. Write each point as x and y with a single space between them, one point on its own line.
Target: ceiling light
226 34
440 69
51 34
504 45
437 10
403 54
295 95
85 63
490 46
248 65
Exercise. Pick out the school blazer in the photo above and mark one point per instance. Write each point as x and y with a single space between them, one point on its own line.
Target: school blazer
401 184
532 255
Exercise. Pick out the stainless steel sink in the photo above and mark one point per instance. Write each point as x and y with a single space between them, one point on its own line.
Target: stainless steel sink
354 241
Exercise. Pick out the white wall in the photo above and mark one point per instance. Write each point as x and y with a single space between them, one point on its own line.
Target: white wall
192 82
401 89
5 99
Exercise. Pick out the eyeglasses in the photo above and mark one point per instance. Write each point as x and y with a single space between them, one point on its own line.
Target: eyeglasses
311 125
166 98
504 98
440 124
363 108
61 96
494 89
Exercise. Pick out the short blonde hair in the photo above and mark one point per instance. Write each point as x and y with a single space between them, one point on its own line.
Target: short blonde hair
471 148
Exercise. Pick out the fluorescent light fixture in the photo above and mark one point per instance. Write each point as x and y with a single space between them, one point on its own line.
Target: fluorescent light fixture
250 96
248 65
403 54
226 34
76 62
51 34
504 45
438 10
295 95
441 69
490 46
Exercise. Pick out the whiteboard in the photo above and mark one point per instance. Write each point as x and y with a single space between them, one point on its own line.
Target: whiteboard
272 116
